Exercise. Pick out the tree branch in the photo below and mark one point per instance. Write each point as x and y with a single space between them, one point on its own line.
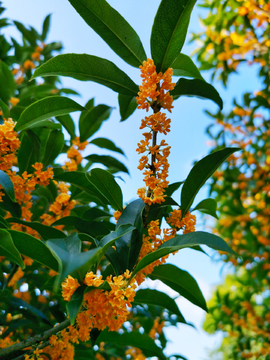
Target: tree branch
33 340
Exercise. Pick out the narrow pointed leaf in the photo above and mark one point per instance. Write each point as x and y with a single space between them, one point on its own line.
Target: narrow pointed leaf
180 281
7 185
112 28
181 242
184 66
201 172
134 339
46 232
89 68
106 144
108 161
169 31
34 248
68 123
109 239
198 88
106 185
92 120
158 298
46 27
7 82
35 114
207 206
5 109
80 180
9 250
55 144
127 105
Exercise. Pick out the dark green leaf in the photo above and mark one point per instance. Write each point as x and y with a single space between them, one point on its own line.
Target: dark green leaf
5 109
34 248
158 298
108 240
7 185
169 31
68 123
108 161
198 88
8 248
89 68
92 120
29 152
198 175
106 185
8 84
127 105
207 206
113 29
106 144
27 34
79 179
46 27
46 232
184 66
135 339
35 114
8 205
19 303
54 147
180 281
183 241
75 303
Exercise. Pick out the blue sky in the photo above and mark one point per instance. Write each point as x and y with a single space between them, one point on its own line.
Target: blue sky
187 137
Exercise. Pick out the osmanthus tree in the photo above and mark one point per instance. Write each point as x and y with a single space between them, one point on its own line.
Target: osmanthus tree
240 306
72 255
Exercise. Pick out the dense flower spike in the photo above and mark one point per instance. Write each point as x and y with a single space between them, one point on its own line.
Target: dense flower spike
154 93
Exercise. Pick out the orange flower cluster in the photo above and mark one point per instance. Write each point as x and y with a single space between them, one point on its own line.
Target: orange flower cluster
154 92
9 144
24 185
153 241
61 206
103 308
187 223
74 154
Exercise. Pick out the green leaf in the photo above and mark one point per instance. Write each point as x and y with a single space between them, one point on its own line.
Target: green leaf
127 105
68 123
108 240
184 66
198 88
173 187
75 303
80 180
55 144
92 120
5 109
8 248
13 207
46 27
207 206
6 79
108 161
46 232
169 31
29 152
89 68
201 172
181 242
129 246
19 303
135 339
106 144
72 262
34 248
35 114
158 298
180 281
27 34
112 28
106 185
7 185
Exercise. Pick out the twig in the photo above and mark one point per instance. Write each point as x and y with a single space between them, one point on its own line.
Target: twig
33 340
